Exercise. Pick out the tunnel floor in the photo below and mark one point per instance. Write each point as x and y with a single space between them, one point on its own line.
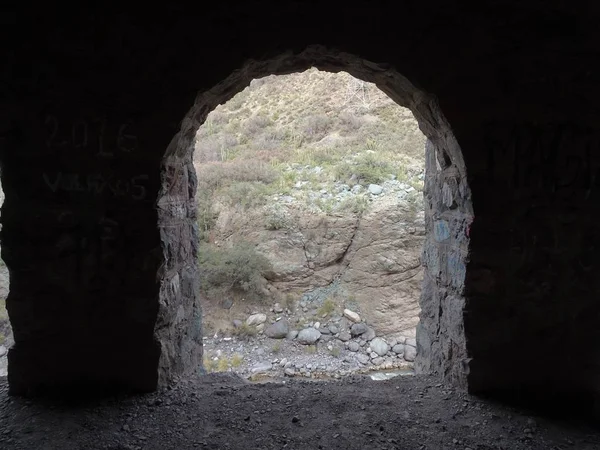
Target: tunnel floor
222 411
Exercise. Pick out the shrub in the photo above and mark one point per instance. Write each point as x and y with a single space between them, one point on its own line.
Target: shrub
335 352
246 194
245 331
349 122
236 360
326 308
316 127
210 365
254 124
276 218
311 349
222 365
239 268
213 176
207 217
367 169
356 204
276 348
290 301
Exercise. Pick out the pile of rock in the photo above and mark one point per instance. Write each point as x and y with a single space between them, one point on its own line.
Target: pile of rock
341 345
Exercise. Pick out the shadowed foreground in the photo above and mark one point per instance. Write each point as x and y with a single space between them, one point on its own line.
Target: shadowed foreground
220 411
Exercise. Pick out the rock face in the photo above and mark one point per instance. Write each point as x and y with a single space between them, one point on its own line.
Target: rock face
375 258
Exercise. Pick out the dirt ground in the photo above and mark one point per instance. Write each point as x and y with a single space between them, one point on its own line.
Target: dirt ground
222 411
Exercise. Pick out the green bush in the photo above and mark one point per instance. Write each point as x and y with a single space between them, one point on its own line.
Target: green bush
367 169
216 175
236 269
207 217
326 308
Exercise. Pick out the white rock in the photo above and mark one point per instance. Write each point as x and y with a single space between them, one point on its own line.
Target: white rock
263 367
375 189
256 319
354 317
317 325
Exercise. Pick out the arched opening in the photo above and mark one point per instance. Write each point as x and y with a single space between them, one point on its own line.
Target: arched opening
310 210
448 212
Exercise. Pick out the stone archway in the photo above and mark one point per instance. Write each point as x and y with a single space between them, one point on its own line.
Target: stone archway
440 339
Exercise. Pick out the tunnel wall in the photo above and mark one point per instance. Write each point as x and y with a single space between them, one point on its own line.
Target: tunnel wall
496 83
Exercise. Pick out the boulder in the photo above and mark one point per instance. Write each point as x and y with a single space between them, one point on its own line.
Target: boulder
398 349
353 346
344 336
309 336
277 308
358 328
292 335
237 323
410 353
256 319
278 330
379 346
369 334
354 317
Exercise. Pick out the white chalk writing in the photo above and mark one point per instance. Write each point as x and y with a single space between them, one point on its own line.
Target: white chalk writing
97 184
79 134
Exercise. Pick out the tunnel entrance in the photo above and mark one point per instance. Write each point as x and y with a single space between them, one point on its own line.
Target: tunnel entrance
439 338
311 218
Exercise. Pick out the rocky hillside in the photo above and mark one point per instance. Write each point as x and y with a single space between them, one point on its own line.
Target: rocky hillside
6 337
310 192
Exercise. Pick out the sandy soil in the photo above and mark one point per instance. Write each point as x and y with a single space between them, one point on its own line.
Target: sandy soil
221 411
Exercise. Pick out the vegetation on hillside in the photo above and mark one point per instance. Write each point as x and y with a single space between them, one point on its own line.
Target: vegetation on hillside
297 136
